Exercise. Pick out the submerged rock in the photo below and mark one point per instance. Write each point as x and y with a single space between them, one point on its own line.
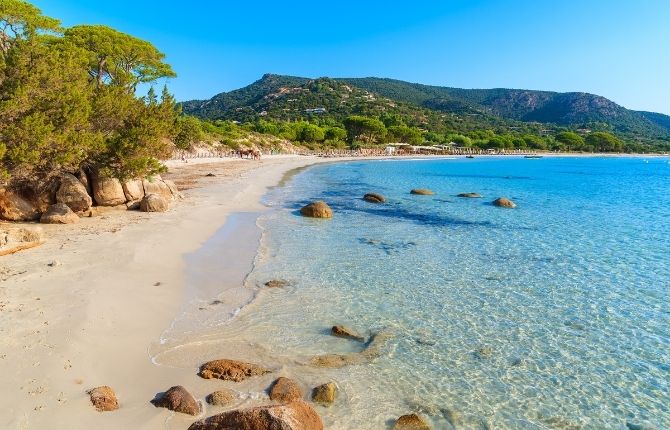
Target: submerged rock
285 390
60 213
318 209
276 283
470 195
230 370
103 399
411 422
325 394
221 398
504 202
372 350
153 203
422 192
374 198
291 416
346 333
177 399
484 352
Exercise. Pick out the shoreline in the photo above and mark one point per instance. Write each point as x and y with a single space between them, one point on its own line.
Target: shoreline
85 308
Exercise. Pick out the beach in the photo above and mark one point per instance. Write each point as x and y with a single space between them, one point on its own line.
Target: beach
84 309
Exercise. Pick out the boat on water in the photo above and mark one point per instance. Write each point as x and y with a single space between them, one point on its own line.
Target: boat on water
532 156
469 156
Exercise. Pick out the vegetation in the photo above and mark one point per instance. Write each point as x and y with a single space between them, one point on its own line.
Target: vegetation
296 108
67 99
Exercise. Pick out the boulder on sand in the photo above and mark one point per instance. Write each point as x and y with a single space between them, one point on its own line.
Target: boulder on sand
422 192
411 422
60 213
230 370
504 202
325 394
103 399
318 209
156 185
296 415
285 390
73 193
153 203
470 195
374 198
107 191
15 207
133 190
221 398
346 332
177 399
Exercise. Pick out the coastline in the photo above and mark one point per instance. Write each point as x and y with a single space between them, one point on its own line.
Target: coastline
84 309
96 316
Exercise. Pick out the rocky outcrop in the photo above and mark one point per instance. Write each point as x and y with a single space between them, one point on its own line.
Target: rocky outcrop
318 209
173 189
153 203
285 390
346 332
156 185
422 192
103 399
107 191
45 195
16 207
221 398
504 202
177 399
291 416
411 422
14 239
73 193
59 213
133 190
325 394
470 195
230 370
374 198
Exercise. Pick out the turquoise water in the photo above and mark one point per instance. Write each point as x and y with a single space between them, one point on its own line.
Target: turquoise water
554 315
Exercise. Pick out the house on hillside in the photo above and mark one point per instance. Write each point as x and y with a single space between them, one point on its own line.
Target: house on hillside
318 110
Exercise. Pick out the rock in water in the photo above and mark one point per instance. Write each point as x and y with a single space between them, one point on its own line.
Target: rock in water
59 213
470 195
291 416
317 209
108 191
374 198
221 398
276 283
411 422
73 193
325 394
285 390
346 332
177 399
230 370
504 202
15 207
153 203
103 399
422 192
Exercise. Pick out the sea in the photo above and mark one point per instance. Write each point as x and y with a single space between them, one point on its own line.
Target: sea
552 315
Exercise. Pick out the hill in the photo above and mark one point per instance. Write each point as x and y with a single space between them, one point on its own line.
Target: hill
429 107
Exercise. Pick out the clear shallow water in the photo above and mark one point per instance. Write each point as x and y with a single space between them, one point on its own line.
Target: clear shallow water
554 315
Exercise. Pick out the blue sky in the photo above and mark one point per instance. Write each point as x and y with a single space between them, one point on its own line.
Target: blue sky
619 49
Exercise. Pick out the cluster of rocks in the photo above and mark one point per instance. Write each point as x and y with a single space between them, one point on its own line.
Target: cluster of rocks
320 209
67 197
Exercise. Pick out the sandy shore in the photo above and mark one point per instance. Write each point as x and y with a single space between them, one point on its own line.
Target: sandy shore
84 309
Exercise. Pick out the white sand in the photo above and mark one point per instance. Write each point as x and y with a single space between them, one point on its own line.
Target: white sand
91 318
